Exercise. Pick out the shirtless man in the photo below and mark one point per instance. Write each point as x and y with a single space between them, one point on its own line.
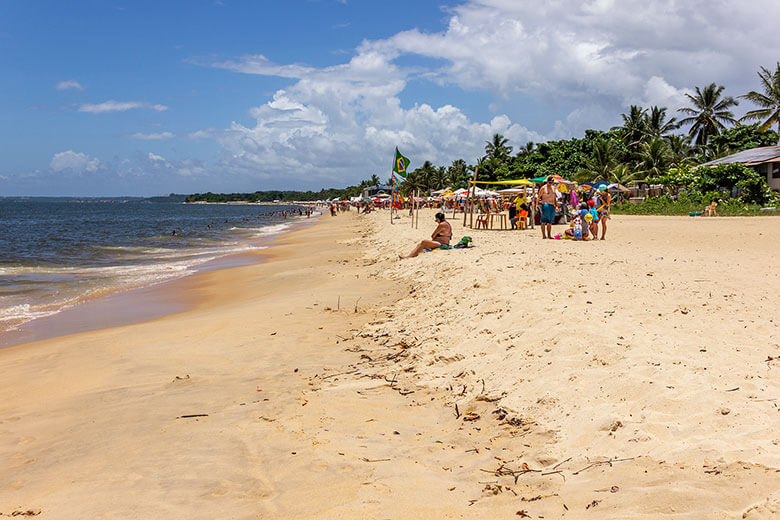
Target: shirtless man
547 200
441 237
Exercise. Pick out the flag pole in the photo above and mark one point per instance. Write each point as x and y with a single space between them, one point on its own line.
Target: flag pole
392 197
414 205
417 213
471 206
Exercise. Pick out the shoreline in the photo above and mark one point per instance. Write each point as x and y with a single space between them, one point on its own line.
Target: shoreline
336 381
127 306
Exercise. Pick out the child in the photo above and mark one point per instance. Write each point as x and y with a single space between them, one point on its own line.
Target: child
575 229
583 221
594 221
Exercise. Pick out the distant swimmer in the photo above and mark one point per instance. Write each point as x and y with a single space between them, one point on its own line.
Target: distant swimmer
173 233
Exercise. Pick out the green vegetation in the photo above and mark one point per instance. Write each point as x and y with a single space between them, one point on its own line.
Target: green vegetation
689 202
769 100
644 148
272 195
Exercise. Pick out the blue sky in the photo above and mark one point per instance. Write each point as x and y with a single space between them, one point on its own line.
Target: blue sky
145 98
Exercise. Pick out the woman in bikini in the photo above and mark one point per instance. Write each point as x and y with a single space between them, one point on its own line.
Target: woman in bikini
441 237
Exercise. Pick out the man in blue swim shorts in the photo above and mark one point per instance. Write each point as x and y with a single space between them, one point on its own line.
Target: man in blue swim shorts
547 200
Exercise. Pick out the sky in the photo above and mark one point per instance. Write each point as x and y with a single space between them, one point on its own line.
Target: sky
120 97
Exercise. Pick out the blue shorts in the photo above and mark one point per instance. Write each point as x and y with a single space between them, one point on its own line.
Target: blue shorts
548 214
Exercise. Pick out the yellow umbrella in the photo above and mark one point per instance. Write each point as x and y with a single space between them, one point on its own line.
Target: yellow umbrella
508 183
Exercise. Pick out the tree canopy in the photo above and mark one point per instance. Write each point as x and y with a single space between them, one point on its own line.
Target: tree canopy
645 146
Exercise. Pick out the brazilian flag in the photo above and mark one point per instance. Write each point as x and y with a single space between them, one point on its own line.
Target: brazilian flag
400 164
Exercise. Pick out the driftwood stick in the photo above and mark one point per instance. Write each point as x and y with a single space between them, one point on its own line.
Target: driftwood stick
457 412
393 381
563 461
339 374
599 463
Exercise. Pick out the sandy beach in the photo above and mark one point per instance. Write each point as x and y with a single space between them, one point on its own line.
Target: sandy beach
629 378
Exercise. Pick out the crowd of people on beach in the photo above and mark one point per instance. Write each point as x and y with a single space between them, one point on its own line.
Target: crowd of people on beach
583 209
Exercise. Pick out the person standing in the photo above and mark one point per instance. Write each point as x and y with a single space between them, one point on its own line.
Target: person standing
547 198
513 215
604 212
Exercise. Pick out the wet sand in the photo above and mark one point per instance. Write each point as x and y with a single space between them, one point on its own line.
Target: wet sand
631 378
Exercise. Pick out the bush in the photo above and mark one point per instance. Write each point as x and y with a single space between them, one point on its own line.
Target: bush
689 202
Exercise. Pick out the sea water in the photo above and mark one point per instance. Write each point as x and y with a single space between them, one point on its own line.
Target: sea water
57 254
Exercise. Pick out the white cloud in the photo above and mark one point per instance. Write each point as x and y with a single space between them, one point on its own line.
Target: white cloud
203 134
573 50
69 84
119 106
153 136
584 61
342 123
71 160
259 64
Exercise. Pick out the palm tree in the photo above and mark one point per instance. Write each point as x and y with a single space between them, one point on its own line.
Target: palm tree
716 152
497 148
622 174
427 175
655 158
457 174
414 181
656 124
600 164
634 128
769 100
439 178
709 112
680 147
374 180
527 149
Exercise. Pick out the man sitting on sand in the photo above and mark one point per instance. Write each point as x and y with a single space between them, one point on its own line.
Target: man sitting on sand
441 237
547 199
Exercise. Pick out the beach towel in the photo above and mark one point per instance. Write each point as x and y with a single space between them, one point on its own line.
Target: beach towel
464 243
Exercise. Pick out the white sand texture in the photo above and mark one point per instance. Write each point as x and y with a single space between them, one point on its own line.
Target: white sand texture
632 378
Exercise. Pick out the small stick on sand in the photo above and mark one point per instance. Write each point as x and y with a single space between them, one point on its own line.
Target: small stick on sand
610 461
457 412
339 374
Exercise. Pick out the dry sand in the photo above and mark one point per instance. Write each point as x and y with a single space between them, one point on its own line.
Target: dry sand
629 378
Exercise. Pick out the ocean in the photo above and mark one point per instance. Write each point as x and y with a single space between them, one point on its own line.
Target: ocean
55 255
